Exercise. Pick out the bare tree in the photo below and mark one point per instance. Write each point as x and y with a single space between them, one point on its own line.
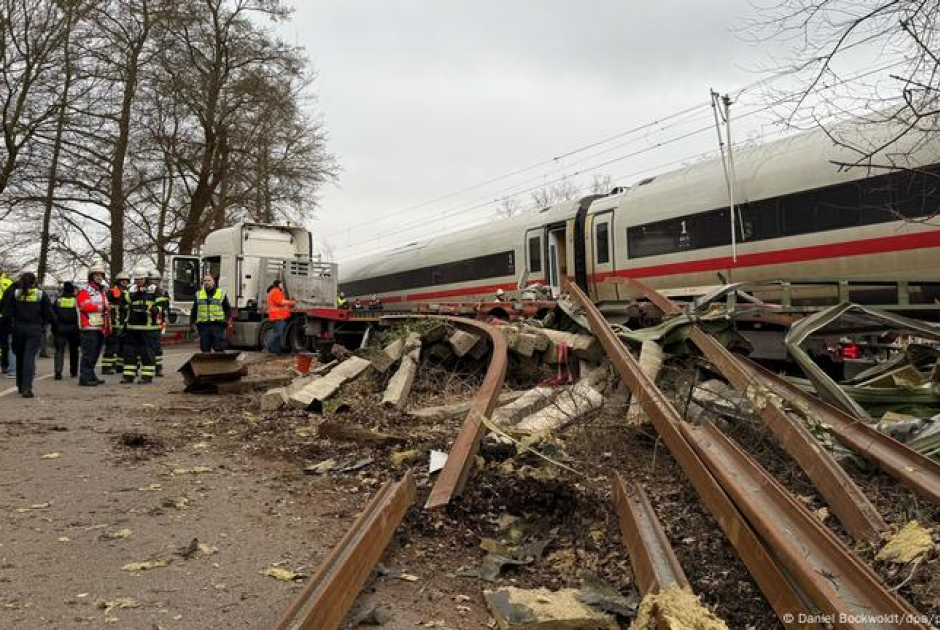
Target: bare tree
508 208
31 33
601 184
562 190
896 42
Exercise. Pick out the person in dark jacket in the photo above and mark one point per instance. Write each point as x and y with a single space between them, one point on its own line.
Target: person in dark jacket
29 311
65 330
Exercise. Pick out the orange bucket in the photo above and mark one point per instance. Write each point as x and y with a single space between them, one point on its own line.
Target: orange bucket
304 360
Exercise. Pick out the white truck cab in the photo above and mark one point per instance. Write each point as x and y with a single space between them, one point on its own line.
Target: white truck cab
245 259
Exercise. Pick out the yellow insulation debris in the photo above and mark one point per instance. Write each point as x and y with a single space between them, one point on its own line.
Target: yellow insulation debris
909 544
676 609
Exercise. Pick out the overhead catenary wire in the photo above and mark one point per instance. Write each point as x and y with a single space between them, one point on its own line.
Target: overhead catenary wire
498 195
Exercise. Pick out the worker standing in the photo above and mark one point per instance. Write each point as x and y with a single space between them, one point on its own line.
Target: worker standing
113 360
94 312
278 307
65 331
6 363
162 301
29 310
142 327
210 315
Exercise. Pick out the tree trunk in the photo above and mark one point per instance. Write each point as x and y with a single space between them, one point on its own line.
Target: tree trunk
44 240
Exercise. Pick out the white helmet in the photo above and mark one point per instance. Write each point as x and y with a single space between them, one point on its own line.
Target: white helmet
96 268
122 276
140 272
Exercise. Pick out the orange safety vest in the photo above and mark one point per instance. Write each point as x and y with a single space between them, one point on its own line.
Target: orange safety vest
276 308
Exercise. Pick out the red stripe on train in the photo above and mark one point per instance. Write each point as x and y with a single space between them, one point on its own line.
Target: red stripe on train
880 245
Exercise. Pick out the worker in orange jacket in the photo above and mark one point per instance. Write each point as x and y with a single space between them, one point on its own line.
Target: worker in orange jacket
278 307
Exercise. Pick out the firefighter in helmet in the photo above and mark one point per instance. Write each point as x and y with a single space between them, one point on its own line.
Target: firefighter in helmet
113 361
142 330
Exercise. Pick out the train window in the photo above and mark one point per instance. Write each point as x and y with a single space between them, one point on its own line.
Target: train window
891 197
760 220
711 229
602 243
653 239
535 254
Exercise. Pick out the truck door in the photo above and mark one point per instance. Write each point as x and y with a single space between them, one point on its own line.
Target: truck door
184 272
601 252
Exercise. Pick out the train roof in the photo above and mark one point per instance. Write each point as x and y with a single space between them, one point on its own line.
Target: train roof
802 161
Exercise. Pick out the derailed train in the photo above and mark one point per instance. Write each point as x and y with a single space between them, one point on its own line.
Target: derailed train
800 214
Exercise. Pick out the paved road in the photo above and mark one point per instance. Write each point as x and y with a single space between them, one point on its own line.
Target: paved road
67 491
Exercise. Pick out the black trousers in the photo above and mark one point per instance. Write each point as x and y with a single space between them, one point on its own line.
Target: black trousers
140 348
92 342
4 345
26 346
113 352
212 337
66 340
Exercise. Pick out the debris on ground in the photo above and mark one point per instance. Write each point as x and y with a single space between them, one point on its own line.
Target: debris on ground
675 609
543 609
913 542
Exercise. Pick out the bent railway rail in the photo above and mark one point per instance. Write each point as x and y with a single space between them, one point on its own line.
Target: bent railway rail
776 586
772 532
328 596
460 460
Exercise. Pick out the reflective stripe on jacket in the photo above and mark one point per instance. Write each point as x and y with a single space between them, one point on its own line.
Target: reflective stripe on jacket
142 310
66 313
209 307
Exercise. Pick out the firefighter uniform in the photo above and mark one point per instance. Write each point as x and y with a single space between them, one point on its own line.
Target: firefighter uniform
65 331
162 302
142 334
113 360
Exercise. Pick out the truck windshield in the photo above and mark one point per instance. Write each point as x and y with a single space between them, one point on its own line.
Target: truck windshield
185 279
212 265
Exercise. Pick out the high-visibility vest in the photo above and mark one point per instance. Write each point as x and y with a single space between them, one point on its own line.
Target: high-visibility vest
30 295
209 307
66 311
5 283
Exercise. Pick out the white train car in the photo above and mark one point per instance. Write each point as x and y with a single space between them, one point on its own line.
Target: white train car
800 215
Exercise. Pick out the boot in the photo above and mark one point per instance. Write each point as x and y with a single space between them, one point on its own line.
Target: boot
58 376
28 394
127 380
147 380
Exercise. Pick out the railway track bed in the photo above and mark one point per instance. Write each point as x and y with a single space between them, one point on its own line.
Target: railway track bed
521 520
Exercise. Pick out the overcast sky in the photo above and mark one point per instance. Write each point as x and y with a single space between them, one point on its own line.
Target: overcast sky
423 98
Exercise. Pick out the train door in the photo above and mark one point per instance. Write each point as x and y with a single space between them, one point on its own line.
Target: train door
601 252
557 258
535 255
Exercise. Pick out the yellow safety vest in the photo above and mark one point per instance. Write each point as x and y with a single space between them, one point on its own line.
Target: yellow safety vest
5 284
30 295
209 307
